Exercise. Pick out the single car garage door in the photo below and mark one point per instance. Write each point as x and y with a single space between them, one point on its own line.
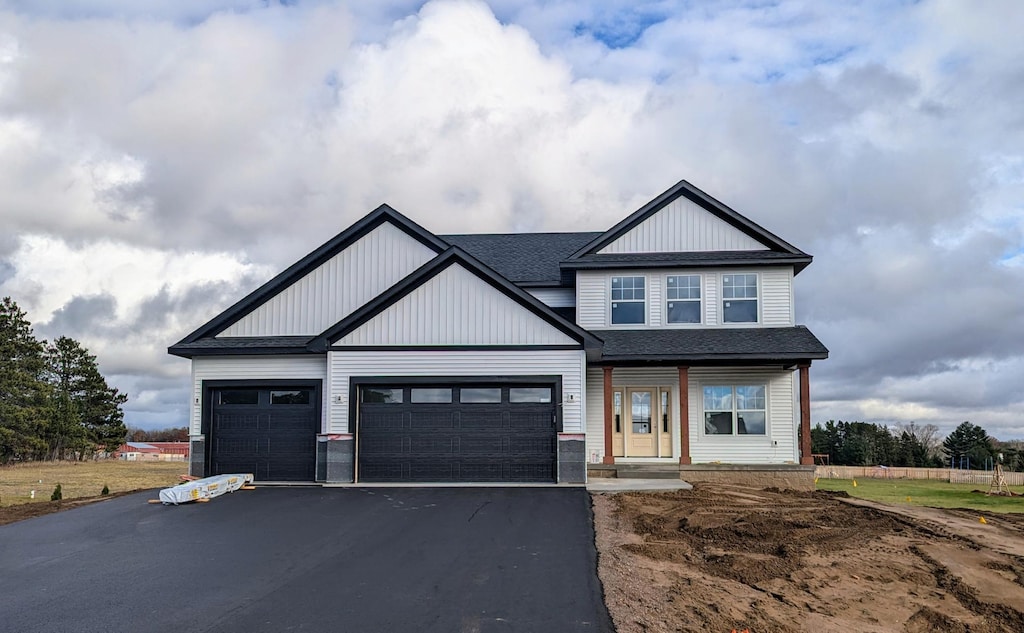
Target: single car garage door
453 433
269 432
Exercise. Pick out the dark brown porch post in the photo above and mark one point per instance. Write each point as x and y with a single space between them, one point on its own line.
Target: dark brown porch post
805 415
608 457
684 415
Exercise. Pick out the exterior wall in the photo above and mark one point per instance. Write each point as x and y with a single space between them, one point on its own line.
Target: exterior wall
778 446
313 366
683 226
555 297
775 300
339 286
569 364
456 308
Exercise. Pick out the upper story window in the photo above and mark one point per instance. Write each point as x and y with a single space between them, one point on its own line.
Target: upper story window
739 298
629 300
683 295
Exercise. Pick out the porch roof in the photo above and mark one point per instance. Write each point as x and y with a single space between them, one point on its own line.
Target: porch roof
711 346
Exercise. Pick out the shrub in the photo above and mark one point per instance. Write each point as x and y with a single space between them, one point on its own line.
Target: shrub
56 496
105 491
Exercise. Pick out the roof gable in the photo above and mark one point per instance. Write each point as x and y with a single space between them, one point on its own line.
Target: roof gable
460 294
684 219
308 274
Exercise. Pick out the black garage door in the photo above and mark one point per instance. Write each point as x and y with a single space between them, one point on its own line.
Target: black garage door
270 433
453 433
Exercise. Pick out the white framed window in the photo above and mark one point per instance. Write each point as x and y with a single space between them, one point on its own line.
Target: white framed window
629 300
735 410
739 298
682 295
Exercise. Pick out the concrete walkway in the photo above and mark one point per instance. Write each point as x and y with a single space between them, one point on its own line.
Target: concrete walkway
616 484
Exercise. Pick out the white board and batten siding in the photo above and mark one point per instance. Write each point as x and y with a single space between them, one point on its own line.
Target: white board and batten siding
569 364
337 287
456 307
682 226
775 301
270 368
778 446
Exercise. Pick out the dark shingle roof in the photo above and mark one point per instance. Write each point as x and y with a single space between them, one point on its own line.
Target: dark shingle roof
696 258
242 345
712 345
523 258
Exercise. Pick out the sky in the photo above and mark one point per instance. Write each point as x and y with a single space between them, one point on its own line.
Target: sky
160 160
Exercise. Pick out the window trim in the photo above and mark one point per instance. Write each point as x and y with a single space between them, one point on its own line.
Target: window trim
647 295
699 301
734 385
758 300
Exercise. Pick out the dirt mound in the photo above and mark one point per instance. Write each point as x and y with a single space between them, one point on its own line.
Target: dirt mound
723 558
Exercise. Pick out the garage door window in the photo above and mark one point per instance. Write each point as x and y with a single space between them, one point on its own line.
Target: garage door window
524 395
239 396
431 396
382 395
296 396
480 395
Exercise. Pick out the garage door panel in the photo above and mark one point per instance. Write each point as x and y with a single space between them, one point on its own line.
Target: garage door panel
236 421
288 421
479 441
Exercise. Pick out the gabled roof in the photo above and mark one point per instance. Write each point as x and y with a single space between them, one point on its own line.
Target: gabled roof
454 255
587 255
301 268
784 345
527 259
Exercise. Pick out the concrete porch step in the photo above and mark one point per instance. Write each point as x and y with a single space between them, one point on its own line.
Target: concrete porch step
647 472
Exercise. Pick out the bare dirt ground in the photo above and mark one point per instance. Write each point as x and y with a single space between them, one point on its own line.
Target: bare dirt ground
720 558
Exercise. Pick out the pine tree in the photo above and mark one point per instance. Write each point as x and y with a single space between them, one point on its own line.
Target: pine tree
87 411
24 394
971 441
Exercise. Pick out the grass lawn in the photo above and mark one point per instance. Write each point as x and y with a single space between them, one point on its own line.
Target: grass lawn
83 479
936 494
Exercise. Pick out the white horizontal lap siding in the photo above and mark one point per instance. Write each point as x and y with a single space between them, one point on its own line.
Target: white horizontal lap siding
624 377
776 297
456 308
569 364
591 299
683 226
337 287
555 297
777 446
313 367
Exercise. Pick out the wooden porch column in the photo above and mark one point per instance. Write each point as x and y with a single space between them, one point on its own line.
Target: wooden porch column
608 414
805 415
684 415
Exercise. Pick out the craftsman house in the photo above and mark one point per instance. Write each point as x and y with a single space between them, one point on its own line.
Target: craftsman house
393 354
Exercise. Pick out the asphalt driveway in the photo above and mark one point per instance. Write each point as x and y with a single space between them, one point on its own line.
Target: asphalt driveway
310 559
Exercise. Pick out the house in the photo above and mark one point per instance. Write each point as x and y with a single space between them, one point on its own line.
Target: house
393 354
153 451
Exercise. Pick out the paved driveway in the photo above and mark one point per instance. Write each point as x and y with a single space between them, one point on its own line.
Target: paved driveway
309 559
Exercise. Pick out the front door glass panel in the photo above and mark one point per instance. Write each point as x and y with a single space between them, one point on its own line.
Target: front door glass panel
641 412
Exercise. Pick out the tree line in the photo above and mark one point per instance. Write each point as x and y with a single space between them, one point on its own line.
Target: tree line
54 402
968 446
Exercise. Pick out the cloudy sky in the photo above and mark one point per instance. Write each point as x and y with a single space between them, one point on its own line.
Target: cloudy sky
159 160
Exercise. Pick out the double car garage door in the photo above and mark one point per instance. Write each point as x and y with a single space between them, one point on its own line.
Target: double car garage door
419 433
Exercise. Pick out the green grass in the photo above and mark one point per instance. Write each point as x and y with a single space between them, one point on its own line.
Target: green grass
935 494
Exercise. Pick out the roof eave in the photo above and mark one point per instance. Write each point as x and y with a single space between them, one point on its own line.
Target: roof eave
798 262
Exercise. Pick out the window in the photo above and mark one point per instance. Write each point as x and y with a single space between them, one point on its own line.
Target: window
523 395
683 294
382 395
431 396
734 410
617 409
629 300
487 395
295 396
239 396
739 298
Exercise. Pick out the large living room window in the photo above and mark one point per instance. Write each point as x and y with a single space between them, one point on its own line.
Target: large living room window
734 410
739 298
629 300
683 298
